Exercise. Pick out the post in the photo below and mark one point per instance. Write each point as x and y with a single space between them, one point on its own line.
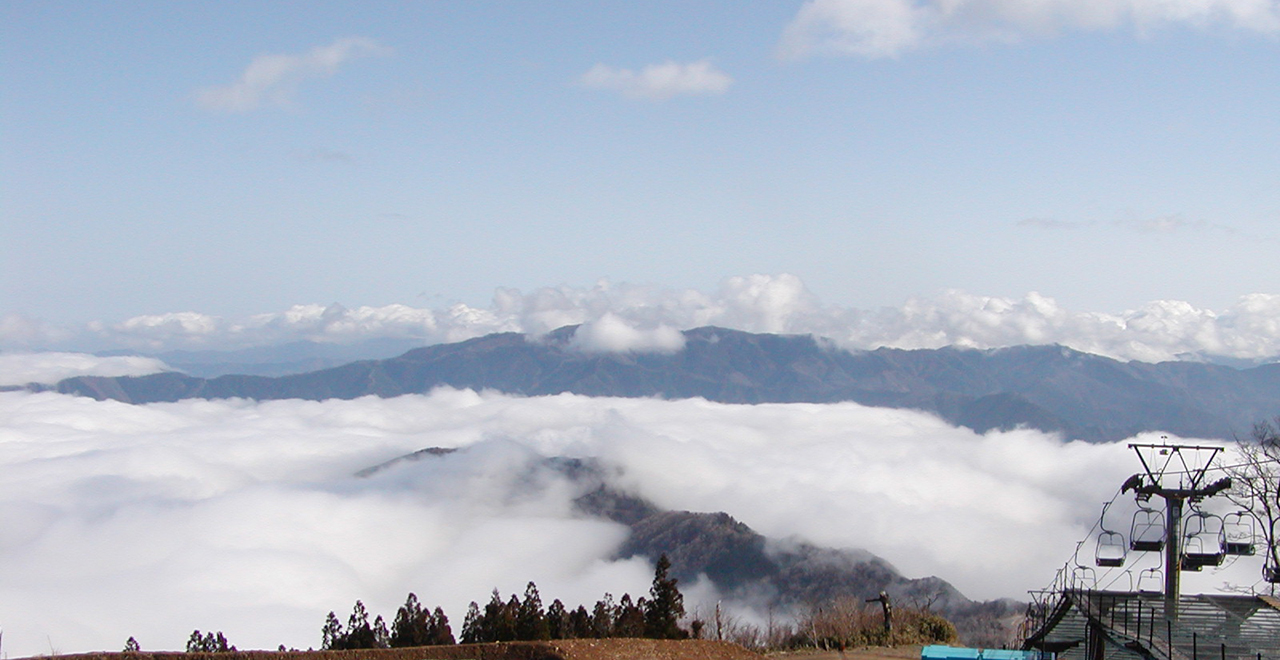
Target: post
883 599
1172 556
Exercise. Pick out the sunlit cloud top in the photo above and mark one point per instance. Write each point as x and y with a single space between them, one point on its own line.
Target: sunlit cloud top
620 316
248 517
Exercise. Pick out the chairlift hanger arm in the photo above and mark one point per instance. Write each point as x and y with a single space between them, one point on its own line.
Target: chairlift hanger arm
1193 494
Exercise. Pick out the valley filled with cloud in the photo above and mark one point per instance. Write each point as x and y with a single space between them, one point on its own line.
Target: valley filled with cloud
241 188
249 517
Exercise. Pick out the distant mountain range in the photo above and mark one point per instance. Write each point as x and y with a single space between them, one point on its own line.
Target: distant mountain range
1051 388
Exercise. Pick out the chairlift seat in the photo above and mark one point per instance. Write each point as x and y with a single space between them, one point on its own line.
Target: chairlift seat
1146 534
1110 550
1150 580
1205 543
1239 531
1241 548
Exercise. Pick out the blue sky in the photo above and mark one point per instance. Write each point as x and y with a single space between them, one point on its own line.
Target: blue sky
1105 153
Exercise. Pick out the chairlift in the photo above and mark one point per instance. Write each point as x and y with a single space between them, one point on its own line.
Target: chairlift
1146 534
1205 541
1151 580
1110 550
1084 578
1239 531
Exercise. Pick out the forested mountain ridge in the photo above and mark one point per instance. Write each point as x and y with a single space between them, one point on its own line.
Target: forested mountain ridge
786 575
1052 388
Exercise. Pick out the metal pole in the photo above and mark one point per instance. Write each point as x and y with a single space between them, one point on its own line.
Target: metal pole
1172 556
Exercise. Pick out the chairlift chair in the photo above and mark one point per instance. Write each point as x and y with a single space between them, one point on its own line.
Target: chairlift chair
1205 542
1146 534
1239 531
1151 580
1084 578
1110 550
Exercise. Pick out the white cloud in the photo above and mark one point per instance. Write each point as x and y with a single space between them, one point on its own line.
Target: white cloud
246 517
887 28
274 79
611 334
659 82
1159 330
49 368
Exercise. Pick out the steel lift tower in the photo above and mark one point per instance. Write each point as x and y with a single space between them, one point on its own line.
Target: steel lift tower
1189 465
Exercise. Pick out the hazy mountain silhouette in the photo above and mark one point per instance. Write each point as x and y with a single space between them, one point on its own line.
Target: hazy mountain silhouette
1051 388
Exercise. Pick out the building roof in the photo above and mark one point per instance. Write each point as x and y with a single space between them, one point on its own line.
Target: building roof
1132 625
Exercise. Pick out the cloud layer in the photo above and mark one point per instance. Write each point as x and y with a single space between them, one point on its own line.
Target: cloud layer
247 517
659 82
624 317
49 368
273 79
887 28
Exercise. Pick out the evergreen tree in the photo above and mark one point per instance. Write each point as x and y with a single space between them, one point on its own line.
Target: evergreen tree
602 617
381 639
558 621
131 646
472 625
208 643
411 625
438 631
531 620
665 606
360 634
580 623
628 618
331 634
493 627
506 628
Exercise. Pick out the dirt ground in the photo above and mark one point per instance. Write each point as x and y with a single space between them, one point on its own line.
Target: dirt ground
870 653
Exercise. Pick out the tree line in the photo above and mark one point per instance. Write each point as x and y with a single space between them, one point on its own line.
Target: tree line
519 619
658 615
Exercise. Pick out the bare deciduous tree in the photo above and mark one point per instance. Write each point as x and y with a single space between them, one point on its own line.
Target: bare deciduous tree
1255 478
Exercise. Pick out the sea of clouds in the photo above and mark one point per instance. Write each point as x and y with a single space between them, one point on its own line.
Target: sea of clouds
246 517
637 317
